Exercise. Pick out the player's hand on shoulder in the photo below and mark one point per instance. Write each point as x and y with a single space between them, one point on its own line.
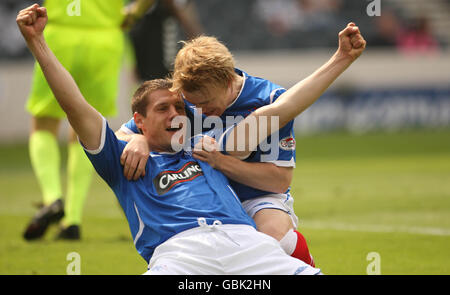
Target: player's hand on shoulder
134 157
32 21
351 42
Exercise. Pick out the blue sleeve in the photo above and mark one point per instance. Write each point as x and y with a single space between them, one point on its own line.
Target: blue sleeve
282 143
130 127
279 148
106 159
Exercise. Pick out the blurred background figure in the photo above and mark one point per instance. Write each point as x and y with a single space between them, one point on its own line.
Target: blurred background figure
285 19
155 37
280 17
387 30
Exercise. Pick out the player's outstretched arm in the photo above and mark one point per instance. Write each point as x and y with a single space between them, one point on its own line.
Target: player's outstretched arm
302 95
84 119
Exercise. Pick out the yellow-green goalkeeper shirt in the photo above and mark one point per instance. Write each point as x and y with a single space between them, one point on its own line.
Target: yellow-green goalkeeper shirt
85 14
86 37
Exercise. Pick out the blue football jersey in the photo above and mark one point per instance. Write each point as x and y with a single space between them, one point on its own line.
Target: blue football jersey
279 148
169 199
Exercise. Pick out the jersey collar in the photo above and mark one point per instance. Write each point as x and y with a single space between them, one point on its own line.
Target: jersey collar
240 73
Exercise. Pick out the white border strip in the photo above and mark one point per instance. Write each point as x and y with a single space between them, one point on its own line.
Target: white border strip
141 225
102 140
272 94
282 163
126 130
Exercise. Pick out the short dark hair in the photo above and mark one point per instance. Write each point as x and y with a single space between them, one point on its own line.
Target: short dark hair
139 102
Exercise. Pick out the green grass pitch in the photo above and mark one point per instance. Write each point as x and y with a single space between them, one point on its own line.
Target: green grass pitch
383 193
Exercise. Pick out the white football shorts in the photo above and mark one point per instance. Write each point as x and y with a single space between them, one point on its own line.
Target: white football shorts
283 202
227 249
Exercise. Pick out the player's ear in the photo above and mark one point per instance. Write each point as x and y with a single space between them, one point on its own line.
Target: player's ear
138 120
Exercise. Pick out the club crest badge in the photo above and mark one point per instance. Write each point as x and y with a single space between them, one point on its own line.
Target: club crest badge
287 143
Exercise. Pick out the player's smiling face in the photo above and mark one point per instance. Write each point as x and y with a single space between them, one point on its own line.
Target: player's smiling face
213 100
164 106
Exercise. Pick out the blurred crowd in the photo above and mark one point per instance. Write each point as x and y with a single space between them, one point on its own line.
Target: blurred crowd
277 24
288 18
413 35
11 41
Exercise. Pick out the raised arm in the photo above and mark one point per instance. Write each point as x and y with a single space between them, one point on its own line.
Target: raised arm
302 95
83 118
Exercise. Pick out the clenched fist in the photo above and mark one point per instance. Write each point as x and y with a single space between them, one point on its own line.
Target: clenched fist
32 21
351 42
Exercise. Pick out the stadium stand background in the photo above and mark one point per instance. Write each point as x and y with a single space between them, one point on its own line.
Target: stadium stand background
401 81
